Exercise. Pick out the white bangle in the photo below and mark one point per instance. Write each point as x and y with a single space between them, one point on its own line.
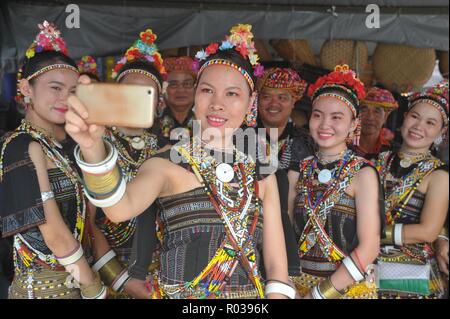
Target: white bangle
71 259
315 293
101 295
103 260
278 287
109 201
45 196
398 232
120 281
443 237
104 166
352 269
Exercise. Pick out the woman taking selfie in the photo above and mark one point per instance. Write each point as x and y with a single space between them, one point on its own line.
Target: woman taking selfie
48 218
212 211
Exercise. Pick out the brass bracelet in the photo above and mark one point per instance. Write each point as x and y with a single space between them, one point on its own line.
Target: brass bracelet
103 184
389 239
444 232
111 270
92 290
328 291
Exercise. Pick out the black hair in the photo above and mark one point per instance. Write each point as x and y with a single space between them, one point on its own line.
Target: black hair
236 58
42 59
141 65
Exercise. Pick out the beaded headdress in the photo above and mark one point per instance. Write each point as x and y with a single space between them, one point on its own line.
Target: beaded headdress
343 85
283 78
436 96
48 39
143 49
87 64
380 97
181 63
241 41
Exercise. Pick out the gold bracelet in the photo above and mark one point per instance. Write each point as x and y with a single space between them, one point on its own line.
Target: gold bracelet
389 239
92 290
103 184
328 291
110 271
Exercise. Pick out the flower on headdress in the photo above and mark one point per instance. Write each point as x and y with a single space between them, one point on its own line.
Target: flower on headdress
254 58
201 55
259 70
226 45
30 52
242 49
212 48
241 33
148 36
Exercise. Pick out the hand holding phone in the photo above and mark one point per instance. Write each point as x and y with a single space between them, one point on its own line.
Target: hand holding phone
122 105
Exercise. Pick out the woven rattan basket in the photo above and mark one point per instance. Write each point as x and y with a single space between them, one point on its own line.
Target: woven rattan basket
402 68
443 62
353 53
294 50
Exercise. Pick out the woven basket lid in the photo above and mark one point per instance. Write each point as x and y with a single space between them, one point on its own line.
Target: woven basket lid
353 53
294 50
402 68
443 62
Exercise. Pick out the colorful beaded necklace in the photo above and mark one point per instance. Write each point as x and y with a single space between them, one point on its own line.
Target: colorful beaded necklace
318 210
50 146
404 187
233 210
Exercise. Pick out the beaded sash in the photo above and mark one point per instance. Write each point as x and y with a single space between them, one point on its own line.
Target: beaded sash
406 186
238 244
314 230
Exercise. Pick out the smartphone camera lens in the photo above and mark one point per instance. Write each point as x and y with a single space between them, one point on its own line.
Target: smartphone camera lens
149 92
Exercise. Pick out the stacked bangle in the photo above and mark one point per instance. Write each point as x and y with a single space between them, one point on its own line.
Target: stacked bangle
326 290
104 184
72 258
281 288
96 290
353 269
443 234
111 271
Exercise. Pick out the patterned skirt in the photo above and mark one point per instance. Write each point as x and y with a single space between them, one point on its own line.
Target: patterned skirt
43 284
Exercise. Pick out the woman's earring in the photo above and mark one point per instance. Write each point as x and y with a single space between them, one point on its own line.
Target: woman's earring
438 141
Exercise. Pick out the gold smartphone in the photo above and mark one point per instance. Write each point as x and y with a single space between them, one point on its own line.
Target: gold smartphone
115 104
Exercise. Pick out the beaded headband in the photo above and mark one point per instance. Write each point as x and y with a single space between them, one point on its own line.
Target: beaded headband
240 40
143 49
143 72
342 98
284 78
247 76
436 96
50 68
